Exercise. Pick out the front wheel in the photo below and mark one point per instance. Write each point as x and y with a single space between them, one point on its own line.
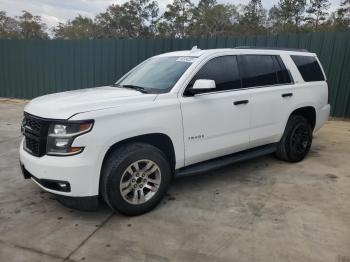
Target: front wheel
296 140
135 178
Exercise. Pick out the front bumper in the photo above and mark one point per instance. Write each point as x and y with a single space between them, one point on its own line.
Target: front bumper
71 176
55 185
89 203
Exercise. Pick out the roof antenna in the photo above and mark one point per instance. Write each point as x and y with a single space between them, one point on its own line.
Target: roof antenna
194 49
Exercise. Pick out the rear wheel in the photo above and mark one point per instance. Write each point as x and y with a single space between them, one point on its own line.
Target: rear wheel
135 178
296 140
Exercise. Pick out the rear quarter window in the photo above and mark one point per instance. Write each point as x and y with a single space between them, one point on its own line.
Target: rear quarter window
308 67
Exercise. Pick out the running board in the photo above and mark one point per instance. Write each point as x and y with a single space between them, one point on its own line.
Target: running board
217 163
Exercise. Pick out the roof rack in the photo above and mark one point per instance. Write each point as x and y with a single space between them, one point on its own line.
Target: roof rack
271 48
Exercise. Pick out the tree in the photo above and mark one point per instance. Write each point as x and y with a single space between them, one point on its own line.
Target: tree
253 19
151 15
287 15
176 19
317 12
343 15
9 28
275 24
31 27
210 19
78 28
128 20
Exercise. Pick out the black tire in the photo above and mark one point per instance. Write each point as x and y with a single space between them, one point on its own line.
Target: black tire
296 140
116 164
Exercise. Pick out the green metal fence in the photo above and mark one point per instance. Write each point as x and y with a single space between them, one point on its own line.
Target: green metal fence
30 68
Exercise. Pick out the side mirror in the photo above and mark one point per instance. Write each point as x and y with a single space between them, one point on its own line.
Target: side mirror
203 85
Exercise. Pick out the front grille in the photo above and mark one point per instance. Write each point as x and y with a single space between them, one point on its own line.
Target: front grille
32 145
33 124
35 131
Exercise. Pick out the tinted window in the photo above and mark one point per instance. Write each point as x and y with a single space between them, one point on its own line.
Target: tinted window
223 70
308 67
258 70
283 76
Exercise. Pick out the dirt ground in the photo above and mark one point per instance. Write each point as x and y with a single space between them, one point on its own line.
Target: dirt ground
259 210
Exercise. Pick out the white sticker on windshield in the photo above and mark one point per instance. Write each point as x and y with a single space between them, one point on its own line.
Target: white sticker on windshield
187 59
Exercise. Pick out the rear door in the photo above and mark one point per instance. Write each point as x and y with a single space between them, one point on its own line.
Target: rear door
216 123
271 97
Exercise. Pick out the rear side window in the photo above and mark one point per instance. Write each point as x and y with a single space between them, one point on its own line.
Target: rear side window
223 70
283 76
308 67
258 70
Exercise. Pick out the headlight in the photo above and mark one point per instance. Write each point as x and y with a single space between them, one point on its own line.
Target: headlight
61 136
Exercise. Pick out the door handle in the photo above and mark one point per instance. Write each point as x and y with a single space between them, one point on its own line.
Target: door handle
241 102
287 95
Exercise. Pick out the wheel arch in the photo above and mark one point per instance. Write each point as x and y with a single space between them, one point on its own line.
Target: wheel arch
159 140
309 112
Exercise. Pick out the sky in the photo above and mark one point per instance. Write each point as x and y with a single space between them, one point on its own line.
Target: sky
55 11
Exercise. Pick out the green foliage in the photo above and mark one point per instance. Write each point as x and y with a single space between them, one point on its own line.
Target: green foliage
132 19
176 18
25 26
78 28
342 17
182 18
253 19
9 27
210 19
317 13
290 13
31 27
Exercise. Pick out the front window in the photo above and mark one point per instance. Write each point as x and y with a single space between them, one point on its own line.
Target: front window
157 74
223 70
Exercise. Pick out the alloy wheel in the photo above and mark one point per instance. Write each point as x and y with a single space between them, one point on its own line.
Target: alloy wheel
140 181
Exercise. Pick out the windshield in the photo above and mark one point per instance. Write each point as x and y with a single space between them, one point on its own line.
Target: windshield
157 74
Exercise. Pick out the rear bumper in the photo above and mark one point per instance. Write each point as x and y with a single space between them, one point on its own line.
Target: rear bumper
322 116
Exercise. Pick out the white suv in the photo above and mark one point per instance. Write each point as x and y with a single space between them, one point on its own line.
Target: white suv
175 114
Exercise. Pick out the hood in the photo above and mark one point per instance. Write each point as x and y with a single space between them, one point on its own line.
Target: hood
64 105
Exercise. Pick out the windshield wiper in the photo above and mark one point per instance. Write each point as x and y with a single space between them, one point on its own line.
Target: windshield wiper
137 88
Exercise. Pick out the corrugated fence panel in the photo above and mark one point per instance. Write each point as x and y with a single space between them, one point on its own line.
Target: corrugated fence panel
30 68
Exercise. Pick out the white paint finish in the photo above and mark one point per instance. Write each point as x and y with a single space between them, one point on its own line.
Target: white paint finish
78 170
201 127
65 104
204 84
113 125
222 127
269 110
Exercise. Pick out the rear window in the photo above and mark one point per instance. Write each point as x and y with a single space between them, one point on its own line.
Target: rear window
263 70
308 67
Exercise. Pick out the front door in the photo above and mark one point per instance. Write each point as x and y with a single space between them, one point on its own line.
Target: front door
216 123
